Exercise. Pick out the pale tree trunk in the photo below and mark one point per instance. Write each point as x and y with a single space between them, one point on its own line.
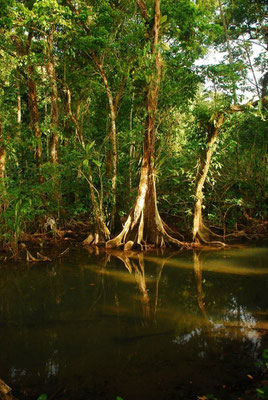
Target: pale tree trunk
100 232
113 154
200 232
132 146
50 66
18 106
2 159
2 170
252 69
144 227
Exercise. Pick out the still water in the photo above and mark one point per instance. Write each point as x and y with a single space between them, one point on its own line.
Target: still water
143 326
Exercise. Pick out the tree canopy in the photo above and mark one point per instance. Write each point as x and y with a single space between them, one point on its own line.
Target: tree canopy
108 125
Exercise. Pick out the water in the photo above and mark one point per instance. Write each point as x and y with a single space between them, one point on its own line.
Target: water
155 326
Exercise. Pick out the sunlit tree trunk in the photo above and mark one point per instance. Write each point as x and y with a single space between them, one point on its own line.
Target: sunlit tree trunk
200 232
132 146
18 106
144 227
2 158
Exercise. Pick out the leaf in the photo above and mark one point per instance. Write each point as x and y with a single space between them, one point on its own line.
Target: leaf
119 398
89 146
97 163
85 163
42 397
263 392
163 19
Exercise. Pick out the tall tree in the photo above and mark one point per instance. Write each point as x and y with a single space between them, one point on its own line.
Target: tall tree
144 226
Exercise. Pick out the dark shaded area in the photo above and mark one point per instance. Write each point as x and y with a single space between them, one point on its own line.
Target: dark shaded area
177 326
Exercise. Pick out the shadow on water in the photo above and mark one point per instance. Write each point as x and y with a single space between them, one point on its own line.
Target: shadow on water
135 325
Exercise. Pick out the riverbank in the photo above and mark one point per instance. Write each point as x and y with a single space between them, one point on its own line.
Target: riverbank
75 233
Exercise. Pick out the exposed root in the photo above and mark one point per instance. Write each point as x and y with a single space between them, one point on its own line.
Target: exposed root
135 235
39 257
98 238
204 235
5 391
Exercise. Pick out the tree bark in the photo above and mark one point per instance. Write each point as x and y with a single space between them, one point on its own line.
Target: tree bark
112 154
144 227
2 170
50 66
2 157
200 232
18 106
33 103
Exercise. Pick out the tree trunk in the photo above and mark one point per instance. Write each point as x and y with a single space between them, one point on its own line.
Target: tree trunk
252 70
144 227
2 157
50 66
100 232
200 232
33 103
132 146
112 154
2 170
18 106
23 49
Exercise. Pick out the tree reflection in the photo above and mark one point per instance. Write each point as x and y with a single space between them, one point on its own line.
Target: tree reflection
199 285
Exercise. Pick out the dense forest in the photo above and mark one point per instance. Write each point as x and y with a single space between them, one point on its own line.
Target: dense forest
134 123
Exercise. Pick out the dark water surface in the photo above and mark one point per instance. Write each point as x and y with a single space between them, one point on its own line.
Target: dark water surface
145 327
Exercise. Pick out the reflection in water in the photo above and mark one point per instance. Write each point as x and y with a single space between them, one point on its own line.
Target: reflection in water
198 275
93 325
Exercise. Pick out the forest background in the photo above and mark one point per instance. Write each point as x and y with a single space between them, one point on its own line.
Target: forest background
105 120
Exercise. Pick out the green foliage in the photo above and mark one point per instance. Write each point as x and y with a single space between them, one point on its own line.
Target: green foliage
235 191
262 392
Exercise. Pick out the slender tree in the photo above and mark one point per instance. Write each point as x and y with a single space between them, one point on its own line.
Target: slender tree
200 231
